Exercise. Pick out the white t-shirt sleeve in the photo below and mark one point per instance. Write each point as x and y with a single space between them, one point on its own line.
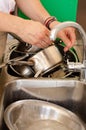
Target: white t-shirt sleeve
7 6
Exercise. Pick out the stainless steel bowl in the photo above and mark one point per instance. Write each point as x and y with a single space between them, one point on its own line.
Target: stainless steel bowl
40 115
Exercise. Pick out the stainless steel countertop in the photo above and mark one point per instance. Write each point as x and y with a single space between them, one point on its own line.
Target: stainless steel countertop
4 76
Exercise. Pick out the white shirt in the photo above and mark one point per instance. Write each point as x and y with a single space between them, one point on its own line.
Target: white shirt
7 6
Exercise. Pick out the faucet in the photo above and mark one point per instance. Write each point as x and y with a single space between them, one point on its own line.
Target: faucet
73 65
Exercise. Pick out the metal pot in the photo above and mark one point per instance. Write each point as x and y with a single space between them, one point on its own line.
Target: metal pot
46 59
23 70
40 115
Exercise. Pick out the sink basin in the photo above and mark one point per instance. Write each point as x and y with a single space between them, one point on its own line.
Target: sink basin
70 94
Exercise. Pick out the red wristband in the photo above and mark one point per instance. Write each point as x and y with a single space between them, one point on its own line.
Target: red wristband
48 21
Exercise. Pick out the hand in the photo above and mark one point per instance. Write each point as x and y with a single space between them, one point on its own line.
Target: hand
34 33
67 35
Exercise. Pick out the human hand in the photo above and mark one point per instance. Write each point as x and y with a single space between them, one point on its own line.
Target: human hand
67 35
34 33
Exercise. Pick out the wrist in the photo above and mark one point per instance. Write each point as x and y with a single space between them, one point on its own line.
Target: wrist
53 24
14 24
50 22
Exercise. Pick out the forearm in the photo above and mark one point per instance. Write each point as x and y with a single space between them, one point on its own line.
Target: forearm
9 23
33 9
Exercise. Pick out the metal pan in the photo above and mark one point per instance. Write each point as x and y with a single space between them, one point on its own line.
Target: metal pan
22 70
46 59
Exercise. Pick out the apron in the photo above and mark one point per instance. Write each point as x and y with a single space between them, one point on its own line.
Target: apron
7 6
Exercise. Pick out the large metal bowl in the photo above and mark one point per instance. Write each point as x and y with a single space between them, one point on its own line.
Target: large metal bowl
40 115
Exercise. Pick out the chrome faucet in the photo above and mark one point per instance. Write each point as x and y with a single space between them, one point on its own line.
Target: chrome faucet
73 65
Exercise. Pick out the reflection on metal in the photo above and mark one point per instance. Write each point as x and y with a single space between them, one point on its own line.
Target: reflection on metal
40 115
70 94
63 25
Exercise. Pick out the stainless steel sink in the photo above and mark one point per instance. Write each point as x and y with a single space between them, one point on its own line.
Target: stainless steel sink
70 94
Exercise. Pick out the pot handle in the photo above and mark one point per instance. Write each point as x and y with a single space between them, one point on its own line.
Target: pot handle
14 61
38 73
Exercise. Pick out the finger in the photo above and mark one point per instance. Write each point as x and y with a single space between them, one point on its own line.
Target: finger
72 36
66 49
37 42
40 45
47 40
65 39
43 44
47 37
